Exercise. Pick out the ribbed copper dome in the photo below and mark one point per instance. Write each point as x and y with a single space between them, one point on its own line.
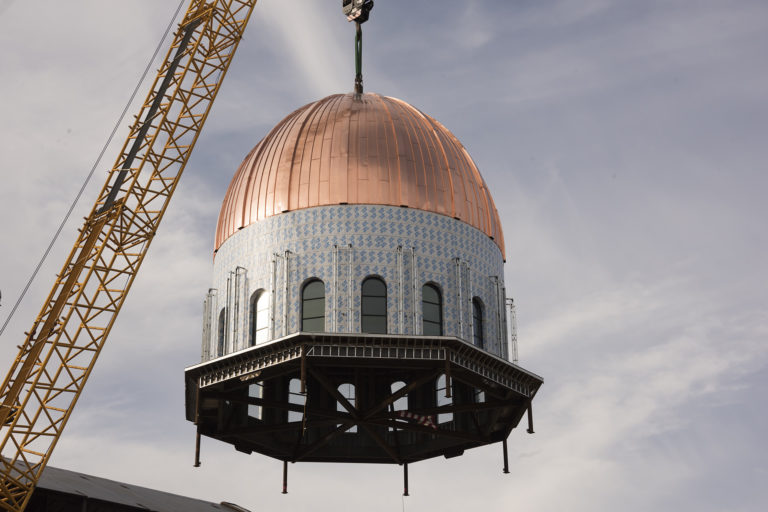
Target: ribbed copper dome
366 150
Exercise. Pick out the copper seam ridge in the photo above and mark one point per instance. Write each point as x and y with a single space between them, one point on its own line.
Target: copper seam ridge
388 155
463 212
310 136
377 150
406 117
263 170
287 143
282 189
235 206
405 162
327 153
260 188
476 197
467 212
274 166
353 153
366 147
308 148
402 138
303 164
483 187
405 165
338 162
397 146
342 179
300 138
500 239
226 206
410 118
225 214
255 183
247 190
260 193
313 130
442 175
305 171
448 172
373 147
429 171
247 185
436 173
325 149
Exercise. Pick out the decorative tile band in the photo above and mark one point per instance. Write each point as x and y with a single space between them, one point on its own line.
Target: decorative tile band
342 245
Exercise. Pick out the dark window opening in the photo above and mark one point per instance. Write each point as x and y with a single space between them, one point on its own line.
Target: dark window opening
374 306
313 306
432 310
222 331
477 323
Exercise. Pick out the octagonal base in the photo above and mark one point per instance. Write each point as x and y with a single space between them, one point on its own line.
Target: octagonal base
358 398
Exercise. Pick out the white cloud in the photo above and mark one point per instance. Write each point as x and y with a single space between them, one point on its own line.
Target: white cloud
634 238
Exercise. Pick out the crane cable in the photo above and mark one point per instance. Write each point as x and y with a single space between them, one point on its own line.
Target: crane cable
95 165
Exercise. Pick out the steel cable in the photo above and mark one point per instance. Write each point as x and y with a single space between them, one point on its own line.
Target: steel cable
93 169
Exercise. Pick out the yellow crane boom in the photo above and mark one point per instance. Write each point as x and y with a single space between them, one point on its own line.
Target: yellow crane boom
59 352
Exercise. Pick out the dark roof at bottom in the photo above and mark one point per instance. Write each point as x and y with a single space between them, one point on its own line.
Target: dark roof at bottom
95 488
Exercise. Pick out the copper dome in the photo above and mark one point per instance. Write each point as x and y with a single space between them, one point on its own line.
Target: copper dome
367 150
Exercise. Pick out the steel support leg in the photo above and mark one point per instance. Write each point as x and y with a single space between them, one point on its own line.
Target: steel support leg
405 480
197 448
530 418
506 457
285 477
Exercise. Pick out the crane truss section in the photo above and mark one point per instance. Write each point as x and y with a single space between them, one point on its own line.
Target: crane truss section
59 352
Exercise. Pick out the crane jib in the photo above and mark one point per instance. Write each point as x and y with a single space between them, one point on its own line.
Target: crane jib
53 364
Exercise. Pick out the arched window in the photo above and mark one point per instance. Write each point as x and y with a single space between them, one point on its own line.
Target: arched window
313 306
432 310
295 397
401 404
347 391
440 390
374 306
259 317
222 331
477 323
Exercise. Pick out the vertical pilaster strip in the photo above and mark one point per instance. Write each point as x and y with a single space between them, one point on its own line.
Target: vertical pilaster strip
415 272
273 298
460 300
334 289
401 292
470 304
350 299
227 315
286 289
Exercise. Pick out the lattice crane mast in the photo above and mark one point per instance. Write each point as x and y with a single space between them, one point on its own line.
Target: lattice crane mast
46 378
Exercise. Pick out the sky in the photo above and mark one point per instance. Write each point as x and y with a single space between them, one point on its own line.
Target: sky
626 146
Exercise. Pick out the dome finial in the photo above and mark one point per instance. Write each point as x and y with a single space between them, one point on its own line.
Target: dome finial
358 11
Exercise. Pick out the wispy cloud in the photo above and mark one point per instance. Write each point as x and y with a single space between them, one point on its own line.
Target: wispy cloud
624 144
